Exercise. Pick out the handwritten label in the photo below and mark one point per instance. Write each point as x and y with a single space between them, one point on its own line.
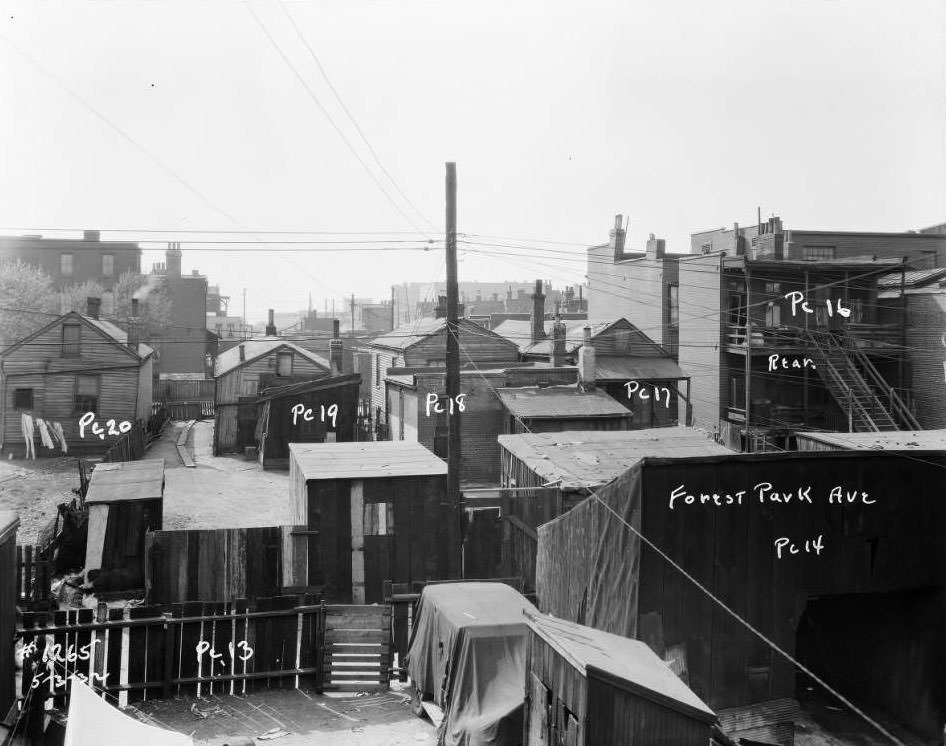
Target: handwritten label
203 647
810 546
635 387
797 298
330 412
433 402
780 361
113 429
54 654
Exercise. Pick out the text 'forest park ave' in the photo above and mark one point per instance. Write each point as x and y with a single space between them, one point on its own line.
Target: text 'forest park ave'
764 492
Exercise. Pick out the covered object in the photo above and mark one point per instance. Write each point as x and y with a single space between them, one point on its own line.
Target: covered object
605 689
468 652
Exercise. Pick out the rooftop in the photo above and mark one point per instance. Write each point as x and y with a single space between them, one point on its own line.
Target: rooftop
118 334
533 402
254 348
633 367
126 480
898 440
580 459
631 662
365 460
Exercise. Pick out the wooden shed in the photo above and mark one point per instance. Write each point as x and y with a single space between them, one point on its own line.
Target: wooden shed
8 598
374 511
125 502
585 687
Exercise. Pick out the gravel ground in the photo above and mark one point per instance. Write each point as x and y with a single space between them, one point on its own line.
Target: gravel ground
33 489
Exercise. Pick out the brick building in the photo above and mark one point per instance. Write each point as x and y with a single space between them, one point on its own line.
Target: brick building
183 346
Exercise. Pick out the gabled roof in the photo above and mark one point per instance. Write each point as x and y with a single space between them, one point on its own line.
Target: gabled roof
520 332
629 664
408 335
364 460
106 329
254 349
558 402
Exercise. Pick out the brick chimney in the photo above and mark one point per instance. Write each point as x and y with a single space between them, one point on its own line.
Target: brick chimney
440 311
538 313
558 344
242 354
173 259
655 247
133 330
271 324
93 307
616 237
335 349
91 235
586 362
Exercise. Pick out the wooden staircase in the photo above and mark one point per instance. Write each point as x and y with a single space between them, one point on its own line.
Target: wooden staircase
357 648
870 403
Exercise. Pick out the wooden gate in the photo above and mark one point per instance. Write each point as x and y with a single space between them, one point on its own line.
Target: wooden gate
357 648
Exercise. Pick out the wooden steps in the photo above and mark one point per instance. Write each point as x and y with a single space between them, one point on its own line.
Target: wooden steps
357 648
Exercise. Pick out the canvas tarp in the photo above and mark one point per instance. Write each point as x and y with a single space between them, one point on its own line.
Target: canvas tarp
468 651
93 721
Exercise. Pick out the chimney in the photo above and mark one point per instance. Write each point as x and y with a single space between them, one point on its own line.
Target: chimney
655 247
91 235
558 344
440 311
271 324
242 354
617 237
173 257
133 332
93 307
538 313
335 349
586 362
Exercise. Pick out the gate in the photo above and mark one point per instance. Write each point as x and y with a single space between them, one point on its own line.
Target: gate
357 648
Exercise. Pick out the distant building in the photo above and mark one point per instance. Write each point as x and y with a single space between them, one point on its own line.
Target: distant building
182 347
73 261
75 365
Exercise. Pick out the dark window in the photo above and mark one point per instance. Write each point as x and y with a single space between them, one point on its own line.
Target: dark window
673 303
22 398
70 340
108 265
87 394
818 253
65 265
284 364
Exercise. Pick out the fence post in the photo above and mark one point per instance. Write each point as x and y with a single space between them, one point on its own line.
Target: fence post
320 644
169 640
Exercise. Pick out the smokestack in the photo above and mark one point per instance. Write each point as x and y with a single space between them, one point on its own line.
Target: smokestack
134 307
440 311
335 349
271 324
586 362
242 354
616 237
558 344
655 247
173 257
133 330
93 307
538 313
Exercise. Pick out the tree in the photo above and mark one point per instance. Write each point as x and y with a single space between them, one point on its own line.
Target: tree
27 300
75 297
154 307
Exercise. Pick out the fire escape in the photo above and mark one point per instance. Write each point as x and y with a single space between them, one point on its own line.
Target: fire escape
870 403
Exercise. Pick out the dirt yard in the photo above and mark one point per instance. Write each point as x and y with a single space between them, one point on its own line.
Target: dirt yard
33 489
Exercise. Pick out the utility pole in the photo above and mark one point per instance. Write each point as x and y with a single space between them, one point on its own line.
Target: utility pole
351 332
454 509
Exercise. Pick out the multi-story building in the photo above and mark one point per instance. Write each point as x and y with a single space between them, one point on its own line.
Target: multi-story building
182 346
73 261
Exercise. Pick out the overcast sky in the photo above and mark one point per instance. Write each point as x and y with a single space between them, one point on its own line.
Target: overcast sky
687 115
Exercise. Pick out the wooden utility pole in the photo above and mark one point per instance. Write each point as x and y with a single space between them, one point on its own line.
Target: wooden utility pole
453 534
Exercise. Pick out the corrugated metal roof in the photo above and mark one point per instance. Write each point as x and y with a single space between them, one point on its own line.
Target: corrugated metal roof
627 368
256 348
630 661
398 458
126 480
912 278
532 402
896 440
581 459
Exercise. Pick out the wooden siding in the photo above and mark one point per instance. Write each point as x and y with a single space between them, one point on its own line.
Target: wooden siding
568 689
124 387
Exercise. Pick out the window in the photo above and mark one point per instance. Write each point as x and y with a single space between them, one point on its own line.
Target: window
108 265
436 362
70 340
87 394
283 363
379 519
818 253
673 303
65 265
22 398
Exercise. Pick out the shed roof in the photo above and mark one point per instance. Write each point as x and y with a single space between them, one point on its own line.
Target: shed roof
897 440
581 459
627 368
631 663
126 480
379 458
911 278
305 387
557 402
253 349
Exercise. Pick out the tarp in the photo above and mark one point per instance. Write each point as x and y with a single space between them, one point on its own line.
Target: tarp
468 650
94 722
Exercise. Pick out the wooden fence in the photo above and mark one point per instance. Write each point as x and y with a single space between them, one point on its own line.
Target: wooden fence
200 649
202 565
191 410
33 578
130 446
186 391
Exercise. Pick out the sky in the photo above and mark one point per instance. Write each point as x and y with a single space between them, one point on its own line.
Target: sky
178 120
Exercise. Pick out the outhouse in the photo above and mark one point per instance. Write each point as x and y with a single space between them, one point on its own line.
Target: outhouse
373 511
585 687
